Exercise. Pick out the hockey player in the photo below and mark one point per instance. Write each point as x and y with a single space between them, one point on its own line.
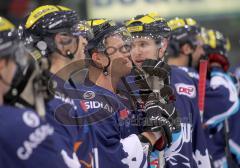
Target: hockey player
26 140
223 150
186 49
188 148
53 23
109 55
53 37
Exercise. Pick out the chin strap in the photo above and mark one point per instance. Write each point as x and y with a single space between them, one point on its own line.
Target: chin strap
105 69
69 54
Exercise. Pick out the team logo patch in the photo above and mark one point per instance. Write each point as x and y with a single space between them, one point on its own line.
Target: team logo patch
31 119
89 95
187 90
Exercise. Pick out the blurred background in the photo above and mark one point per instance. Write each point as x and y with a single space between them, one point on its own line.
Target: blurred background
223 15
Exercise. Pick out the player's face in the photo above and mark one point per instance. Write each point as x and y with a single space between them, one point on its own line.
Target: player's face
119 53
8 69
142 49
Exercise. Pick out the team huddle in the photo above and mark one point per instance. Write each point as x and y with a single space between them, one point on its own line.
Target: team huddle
144 92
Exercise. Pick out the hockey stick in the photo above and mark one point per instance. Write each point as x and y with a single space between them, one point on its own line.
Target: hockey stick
201 98
230 162
202 85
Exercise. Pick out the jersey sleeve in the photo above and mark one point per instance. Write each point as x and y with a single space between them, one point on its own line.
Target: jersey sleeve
221 100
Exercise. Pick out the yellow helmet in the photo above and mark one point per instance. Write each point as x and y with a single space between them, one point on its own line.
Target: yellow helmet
183 28
151 25
217 42
183 31
103 28
217 48
10 48
8 37
44 22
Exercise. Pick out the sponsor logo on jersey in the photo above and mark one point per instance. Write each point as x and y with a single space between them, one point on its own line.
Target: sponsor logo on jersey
65 99
31 119
25 151
87 105
89 95
185 89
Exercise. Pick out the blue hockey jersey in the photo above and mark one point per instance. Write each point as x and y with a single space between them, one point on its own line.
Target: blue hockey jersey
221 100
97 126
189 148
62 112
27 141
221 103
110 130
230 105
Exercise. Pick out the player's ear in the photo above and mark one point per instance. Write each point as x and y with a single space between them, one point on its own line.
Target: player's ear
99 59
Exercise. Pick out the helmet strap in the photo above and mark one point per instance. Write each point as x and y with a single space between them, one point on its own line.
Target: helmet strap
105 69
69 54
158 52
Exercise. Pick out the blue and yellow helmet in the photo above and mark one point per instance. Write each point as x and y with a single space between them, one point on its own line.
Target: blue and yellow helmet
12 48
183 31
103 28
40 26
217 47
8 37
148 25
216 42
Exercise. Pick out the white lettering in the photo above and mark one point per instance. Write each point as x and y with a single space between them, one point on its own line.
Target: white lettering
97 105
34 139
185 89
65 99
54 24
87 104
